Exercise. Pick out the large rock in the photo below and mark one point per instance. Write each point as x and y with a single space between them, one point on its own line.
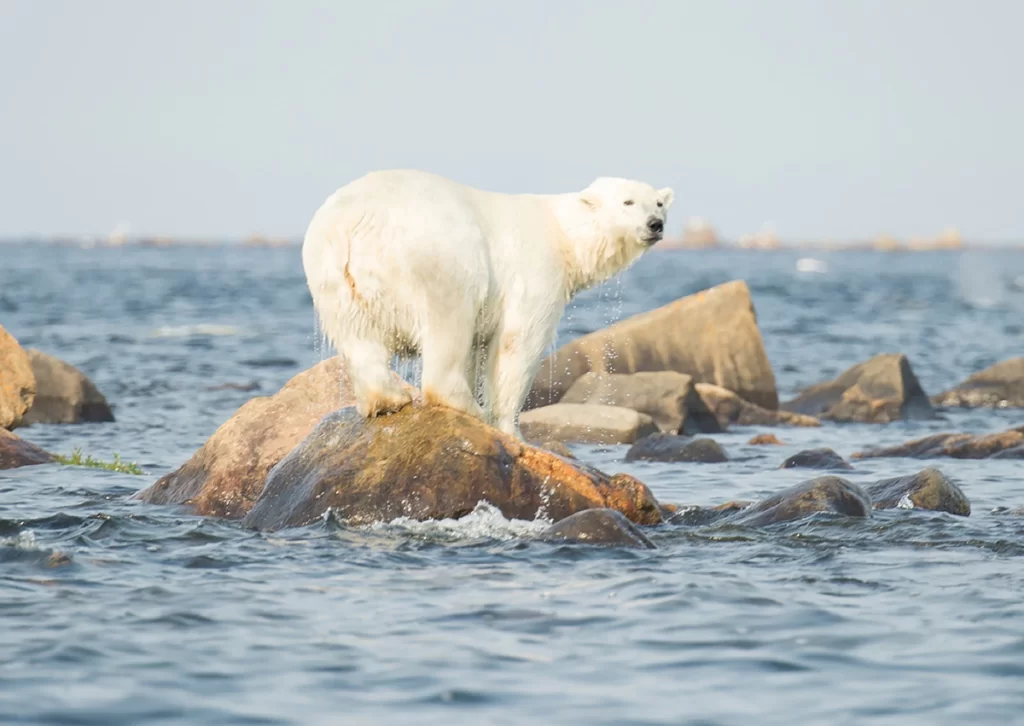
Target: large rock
666 396
928 489
63 394
17 384
824 494
226 476
956 446
604 527
731 410
676 449
712 336
879 390
16 452
585 423
998 386
823 458
432 463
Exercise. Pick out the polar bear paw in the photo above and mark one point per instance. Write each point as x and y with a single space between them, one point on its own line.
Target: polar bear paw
381 401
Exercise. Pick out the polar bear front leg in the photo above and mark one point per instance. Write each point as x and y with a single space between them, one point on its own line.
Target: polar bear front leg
514 364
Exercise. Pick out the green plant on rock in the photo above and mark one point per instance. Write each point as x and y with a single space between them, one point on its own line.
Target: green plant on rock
77 459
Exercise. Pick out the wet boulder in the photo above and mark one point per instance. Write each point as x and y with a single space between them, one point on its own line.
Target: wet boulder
956 446
603 527
823 458
669 398
226 476
879 390
928 489
585 423
831 494
432 463
16 452
679 449
17 384
711 336
998 386
64 395
730 409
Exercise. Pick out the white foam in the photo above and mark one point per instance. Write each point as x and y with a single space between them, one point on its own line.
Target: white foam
485 521
26 540
811 265
186 331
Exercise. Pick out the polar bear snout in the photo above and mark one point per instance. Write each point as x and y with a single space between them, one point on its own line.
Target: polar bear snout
655 228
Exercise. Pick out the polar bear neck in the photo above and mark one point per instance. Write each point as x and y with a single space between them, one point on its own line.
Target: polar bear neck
589 253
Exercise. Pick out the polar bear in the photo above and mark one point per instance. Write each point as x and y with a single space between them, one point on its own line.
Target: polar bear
404 262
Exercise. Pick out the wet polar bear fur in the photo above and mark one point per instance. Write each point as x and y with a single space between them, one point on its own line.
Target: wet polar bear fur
407 262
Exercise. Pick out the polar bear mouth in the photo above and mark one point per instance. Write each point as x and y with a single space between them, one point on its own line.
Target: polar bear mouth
651 239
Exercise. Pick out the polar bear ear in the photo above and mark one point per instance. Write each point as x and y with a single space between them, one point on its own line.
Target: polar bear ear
666 196
590 199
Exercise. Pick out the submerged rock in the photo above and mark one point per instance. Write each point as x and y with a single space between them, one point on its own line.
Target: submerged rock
17 383
823 458
998 386
669 448
226 476
585 423
16 452
765 440
432 463
824 494
605 527
879 390
686 336
730 409
928 489
666 396
63 394
957 446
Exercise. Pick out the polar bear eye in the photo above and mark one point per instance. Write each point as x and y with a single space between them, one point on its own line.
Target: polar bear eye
628 202
660 204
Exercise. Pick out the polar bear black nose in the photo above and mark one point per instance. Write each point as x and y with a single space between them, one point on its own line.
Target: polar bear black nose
655 225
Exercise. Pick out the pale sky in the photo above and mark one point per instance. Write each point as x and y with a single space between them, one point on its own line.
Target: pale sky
221 118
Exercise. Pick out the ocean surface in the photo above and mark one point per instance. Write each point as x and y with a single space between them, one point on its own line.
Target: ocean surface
116 612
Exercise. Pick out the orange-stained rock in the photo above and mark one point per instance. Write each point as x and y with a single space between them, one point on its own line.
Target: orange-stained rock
928 489
730 409
998 386
956 446
711 336
17 383
879 390
225 477
430 462
16 452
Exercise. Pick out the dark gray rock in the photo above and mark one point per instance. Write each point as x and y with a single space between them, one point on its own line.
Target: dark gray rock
823 458
669 448
604 527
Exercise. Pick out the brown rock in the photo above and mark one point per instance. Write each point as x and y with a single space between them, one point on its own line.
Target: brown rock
928 489
585 423
957 446
16 452
998 386
824 494
432 463
879 390
666 396
225 477
17 384
63 394
670 448
765 440
730 409
712 336
604 527
823 458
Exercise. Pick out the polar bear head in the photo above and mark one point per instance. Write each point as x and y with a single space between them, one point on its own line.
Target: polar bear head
617 220
631 212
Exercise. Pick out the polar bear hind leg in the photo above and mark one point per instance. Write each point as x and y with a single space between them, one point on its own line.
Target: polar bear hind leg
449 357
